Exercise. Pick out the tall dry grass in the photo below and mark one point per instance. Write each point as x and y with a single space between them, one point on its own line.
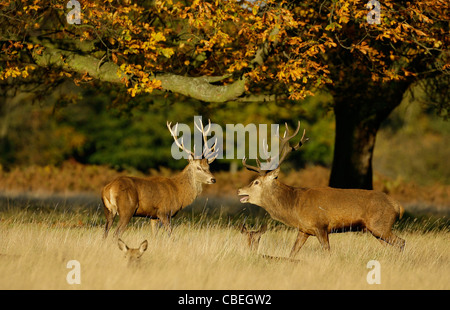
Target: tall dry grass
35 246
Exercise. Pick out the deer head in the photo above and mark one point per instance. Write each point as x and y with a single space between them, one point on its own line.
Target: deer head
263 184
198 166
132 256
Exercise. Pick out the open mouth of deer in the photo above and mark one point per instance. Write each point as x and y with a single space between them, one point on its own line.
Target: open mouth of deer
244 198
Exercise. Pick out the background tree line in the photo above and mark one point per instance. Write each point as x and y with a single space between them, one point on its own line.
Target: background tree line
226 53
134 137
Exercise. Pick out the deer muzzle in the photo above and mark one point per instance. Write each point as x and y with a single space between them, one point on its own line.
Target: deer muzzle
245 197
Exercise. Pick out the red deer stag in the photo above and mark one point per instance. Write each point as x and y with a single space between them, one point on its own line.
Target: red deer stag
159 197
320 211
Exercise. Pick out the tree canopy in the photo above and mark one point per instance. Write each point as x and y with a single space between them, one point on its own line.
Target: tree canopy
240 51
218 51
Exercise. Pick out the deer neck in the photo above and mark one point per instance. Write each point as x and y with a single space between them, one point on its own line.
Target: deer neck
189 188
276 194
279 200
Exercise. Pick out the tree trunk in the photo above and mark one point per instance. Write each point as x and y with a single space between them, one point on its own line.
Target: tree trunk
353 150
357 125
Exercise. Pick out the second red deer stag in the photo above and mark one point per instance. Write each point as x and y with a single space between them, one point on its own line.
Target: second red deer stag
320 211
159 197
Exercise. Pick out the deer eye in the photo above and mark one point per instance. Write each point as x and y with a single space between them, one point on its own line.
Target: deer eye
256 182
199 168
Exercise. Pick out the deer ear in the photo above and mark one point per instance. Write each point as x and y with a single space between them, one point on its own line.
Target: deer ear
122 246
143 246
274 173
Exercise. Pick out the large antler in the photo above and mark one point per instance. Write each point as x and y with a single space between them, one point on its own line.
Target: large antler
175 137
210 153
253 168
284 149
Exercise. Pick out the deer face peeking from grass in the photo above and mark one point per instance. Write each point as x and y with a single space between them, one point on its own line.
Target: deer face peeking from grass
132 255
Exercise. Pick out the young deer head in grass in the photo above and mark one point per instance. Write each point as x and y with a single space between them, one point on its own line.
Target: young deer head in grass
320 211
159 197
133 256
253 236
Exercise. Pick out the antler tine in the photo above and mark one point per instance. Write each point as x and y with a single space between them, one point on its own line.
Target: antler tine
202 129
213 157
286 131
175 137
289 137
285 148
267 154
199 127
302 141
252 168
206 150
209 127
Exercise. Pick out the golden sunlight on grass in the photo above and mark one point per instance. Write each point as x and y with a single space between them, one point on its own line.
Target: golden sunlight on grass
34 255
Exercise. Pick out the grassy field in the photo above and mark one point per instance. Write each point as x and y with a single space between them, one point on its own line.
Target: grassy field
37 240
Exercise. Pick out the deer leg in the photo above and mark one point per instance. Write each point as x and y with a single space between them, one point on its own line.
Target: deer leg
109 221
397 241
391 239
299 242
123 222
382 242
165 220
322 235
254 241
155 226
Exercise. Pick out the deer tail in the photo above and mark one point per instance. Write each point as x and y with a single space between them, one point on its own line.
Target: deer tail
398 207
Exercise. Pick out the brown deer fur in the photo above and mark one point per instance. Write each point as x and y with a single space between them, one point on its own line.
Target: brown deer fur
154 197
157 197
321 211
